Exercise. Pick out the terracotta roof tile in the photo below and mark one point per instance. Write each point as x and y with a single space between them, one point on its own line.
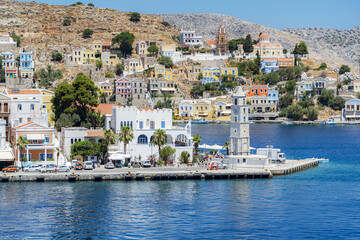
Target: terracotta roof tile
105 108
24 91
94 133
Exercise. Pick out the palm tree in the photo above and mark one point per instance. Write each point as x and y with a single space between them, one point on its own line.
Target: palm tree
196 140
21 143
159 138
126 135
107 139
227 147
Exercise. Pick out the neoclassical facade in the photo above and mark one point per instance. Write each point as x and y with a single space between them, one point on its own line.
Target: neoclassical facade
144 123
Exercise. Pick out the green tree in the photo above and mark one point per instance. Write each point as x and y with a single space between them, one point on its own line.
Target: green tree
67 22
343 69
184 157
63 99
159 138
126 135
248 44
153 49
57 57
99 150
135 17
86 95
109 75
285 100
285 51
166 61
119 69
300 49
65 120
311 113
306 102
21 144
290 87
196 140
227 147
124 40
108 139
99 64
326 97
94 119
82 148
91 5
47 76
197 91
87 33
338 103
16 38
233 44
295 112
166 152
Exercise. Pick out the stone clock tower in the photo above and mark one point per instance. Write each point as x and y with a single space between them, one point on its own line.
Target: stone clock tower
239 126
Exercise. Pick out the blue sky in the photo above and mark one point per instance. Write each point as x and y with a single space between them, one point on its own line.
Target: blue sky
341 14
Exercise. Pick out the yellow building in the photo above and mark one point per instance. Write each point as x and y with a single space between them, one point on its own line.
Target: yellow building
265 48
357 85
105 87
47 95
211 73
133 65
202 109
77 55
97 47
109 59
159 70
168 74
229 71
88 57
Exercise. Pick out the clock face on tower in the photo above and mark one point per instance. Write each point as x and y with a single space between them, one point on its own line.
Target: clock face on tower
236 111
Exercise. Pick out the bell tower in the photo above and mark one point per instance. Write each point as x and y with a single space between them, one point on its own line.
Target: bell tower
239 126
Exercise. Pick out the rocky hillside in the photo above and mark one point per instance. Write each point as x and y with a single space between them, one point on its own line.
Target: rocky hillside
41 26
332 46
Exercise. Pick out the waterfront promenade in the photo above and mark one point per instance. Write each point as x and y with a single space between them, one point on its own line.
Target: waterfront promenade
161 173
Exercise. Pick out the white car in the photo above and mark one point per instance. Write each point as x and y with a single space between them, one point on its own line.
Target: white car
217 164
48 168
64 168
88 165
32 168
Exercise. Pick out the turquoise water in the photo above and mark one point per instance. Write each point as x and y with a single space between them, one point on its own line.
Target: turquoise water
319 203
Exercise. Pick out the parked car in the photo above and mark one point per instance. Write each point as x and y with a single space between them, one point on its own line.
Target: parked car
64 168
73 163
78 166
88 165
11 168
146 164
48 168
32 168
109 165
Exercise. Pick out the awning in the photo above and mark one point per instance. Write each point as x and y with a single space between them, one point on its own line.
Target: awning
35 137
6 155
167 89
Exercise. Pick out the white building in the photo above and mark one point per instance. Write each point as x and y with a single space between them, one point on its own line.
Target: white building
239 135
7 42
6 153
169 50
144 122
186 108
27 106
141 48
189 38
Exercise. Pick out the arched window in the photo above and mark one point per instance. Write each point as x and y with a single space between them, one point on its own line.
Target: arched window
181 140
142 139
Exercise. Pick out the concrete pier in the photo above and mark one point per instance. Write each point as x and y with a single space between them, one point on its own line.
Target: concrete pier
162 174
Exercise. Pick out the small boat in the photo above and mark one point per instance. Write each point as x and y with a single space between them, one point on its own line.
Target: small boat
328 122
323 160
286 123
352 123
201 121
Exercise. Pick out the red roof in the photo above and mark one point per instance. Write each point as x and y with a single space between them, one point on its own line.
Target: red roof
105 108
264 35
147 109
106 44
24 91
211 42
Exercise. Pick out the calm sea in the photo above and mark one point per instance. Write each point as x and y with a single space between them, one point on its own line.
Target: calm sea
319 203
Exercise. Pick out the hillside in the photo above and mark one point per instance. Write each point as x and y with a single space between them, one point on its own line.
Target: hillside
332 46
41 26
